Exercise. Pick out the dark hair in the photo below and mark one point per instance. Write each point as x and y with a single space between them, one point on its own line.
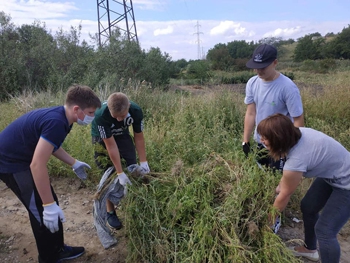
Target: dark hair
281 133
83 96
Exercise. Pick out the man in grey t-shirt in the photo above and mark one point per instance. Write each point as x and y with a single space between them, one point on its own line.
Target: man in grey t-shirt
267 93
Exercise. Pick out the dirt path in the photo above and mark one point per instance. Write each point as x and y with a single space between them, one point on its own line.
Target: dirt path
17 244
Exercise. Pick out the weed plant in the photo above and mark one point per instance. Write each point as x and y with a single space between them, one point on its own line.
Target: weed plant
205 202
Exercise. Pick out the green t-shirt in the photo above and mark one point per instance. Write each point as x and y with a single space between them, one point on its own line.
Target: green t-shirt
105 126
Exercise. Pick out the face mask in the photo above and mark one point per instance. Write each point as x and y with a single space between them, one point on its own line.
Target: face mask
87 120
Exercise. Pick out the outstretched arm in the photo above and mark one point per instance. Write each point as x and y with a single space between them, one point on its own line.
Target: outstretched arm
39 170
249 121
140 146
288 184
65 157
113 153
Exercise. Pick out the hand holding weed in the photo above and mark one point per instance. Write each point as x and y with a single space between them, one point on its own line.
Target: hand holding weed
124 181
275 224
144 167
246 148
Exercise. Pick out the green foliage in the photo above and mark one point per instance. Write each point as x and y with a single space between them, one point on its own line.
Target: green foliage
309 47
197 69
155 67
318 66
339 47
32 58
238 78
205 201
220 58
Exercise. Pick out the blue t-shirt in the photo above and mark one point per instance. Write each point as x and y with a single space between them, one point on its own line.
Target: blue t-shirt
19 139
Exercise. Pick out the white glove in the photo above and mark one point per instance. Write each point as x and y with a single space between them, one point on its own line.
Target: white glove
124 180
79 169
144 168
52 213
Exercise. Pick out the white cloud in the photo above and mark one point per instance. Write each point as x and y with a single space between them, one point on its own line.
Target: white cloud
179 38
35 8
283 32
227 26
164 31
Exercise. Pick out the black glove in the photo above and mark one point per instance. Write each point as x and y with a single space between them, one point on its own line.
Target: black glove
246 148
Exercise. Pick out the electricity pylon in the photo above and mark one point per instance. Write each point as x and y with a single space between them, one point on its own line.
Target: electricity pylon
198 41
110 14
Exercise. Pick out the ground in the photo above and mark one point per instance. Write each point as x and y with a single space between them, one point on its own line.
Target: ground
17 243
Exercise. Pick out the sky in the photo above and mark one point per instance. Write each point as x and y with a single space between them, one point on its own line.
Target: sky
189 28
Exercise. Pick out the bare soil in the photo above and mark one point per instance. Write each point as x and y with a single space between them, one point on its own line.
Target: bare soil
17 244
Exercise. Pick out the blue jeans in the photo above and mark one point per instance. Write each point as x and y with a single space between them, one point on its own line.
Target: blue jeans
324 227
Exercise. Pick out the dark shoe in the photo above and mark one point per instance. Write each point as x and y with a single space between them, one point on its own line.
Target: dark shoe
68 252
113 221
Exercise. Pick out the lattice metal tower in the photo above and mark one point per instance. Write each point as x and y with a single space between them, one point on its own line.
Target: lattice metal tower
198 41
112 13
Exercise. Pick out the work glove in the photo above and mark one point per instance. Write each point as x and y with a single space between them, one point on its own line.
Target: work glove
52 213
246 148
134 170
79 169
144 168
124 181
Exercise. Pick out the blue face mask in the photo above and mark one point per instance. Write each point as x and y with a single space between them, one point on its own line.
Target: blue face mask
87 120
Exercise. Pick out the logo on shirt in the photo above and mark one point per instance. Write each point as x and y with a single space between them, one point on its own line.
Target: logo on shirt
271 103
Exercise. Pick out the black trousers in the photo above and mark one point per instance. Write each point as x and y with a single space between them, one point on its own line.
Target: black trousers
48 244
265 160
126 149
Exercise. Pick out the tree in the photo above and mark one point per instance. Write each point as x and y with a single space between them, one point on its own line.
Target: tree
155 67
9 57
220 57
309 47
240 49
339 47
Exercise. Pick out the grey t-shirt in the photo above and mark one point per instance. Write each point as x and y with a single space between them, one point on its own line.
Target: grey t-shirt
278 96
318 155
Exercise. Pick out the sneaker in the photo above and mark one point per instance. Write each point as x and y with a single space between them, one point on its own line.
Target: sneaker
113 221
313 256
277 225
68 252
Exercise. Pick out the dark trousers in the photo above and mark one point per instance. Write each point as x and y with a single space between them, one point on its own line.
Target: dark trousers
23 186
265 160
126 149
334 203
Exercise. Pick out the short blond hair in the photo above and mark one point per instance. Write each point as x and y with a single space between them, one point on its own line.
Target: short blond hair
118 102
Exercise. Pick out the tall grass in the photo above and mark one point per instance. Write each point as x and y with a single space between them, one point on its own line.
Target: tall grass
205 202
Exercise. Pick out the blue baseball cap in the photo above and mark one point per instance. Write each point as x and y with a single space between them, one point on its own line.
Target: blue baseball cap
263 56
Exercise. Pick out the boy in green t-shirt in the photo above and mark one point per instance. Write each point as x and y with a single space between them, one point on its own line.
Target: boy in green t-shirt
112 141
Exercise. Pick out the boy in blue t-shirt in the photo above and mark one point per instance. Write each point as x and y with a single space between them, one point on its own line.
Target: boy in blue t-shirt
25 149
